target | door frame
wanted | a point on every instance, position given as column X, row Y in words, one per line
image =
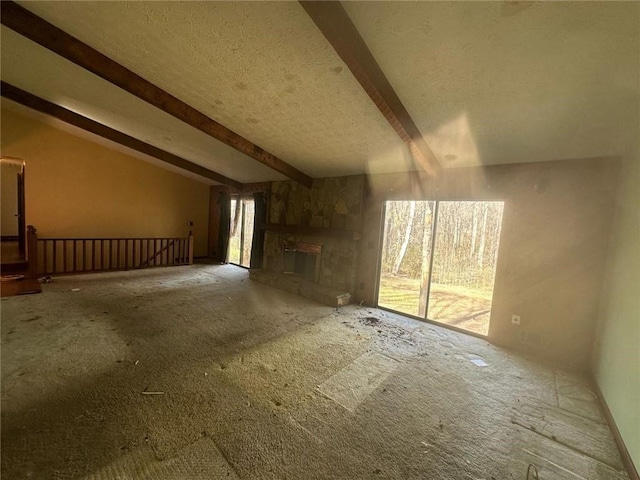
column 22, row 227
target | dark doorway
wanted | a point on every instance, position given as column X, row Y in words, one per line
column 13, row 233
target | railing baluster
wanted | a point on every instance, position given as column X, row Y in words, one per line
column 64, row 256
column 44, row 257
column 133, row 260
column 118, row 254
column 101, row 254
column 55, row 257
column 84, row 255
column 126, row 254
column 75, row 255
column 93, row 255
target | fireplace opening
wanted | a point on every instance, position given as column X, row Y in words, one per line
column 302, row 259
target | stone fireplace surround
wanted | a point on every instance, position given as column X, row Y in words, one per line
column 328, row 218
column 316, row 272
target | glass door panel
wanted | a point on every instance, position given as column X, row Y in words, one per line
column 464, row 264
column 241, row 231
column 406, row 256
column 235, row 231
column 247, row 232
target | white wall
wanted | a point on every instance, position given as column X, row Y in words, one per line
column 616, row 362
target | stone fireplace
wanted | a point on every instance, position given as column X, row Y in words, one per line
column 311, row 238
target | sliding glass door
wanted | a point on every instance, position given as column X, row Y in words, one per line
column 241, row 231
column 406, row 256
column 439, row 260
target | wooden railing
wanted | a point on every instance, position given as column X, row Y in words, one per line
column 83, row 255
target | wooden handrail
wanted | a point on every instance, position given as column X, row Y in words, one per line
column 154, row 255
column 84, row 255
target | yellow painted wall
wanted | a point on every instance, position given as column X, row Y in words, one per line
column 78, row 188
column 617, row 348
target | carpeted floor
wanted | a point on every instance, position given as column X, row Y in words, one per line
column 197, row 372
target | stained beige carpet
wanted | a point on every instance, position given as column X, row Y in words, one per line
column 257, row 383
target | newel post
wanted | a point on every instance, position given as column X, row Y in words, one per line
column 190, row 248
column 32, row 251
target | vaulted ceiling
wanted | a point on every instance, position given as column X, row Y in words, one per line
column 485, row 82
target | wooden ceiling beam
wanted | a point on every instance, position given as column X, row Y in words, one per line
column 334, row 23
column 52, row 38
column 44, row 106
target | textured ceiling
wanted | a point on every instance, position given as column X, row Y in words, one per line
column 49, row 76
column 261, row 69
column 10, row 106
column 486, row 82
column 502, row 82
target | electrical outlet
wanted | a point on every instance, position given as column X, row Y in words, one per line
column 515, row 319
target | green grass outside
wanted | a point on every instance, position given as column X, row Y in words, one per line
column 452, row 305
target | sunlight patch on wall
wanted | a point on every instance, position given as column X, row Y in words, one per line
column 453, row 144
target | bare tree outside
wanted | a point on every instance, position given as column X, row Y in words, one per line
column 234, row 232
column 248, row 220
column 241, row 231
column 464, row 250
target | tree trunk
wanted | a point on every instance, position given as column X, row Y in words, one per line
column 483, row 235
column 426, row 254
column 405, row 242
column 236, row 218
column 474, row 232
column 386, row 241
